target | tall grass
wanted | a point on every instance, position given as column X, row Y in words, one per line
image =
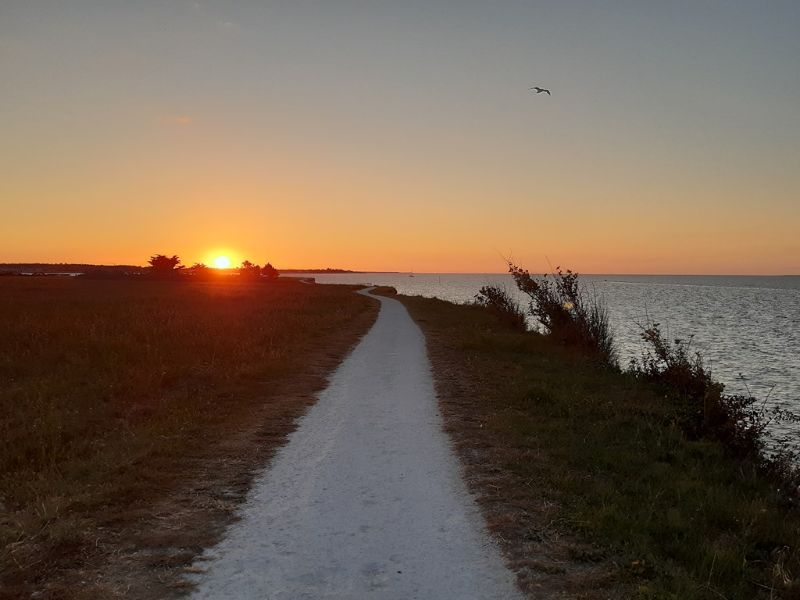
column 105, row 385
column 85, row 363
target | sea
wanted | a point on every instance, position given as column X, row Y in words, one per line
column 747, row 328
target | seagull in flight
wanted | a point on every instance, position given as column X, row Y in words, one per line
column 540, row 90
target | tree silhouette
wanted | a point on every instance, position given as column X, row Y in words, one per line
column 162, row 264
column 269, row 271
column 249, row 270
column 200, row 270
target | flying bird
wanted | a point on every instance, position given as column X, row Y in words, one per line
column 540, row 90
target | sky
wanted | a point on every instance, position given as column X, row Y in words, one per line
column 403, row 136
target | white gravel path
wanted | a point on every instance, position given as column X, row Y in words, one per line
column 366, row 498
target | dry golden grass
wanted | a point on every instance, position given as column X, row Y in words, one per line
column 132, row 415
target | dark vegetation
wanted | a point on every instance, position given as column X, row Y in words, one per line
column 49, row 268
column 703, row 410
column 165, row 267
column 160, row 266
column 109, row 271
column 116, row 395
column 604, row 483
column 498, row 301
column 252, row 271
column 575, row 318
column 568, row 312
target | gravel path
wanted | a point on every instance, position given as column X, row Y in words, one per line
column 366, row 499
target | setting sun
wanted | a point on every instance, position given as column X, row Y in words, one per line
column 222, row 262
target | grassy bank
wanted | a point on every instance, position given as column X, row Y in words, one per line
column 587, row 480
column 132, row 414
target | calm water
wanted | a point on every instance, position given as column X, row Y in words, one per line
column 746, row 327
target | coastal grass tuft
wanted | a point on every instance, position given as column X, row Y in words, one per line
column 114, row 393
column 588, row 479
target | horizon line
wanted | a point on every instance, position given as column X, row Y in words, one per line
column 402, row 272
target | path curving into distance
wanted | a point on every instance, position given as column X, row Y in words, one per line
column 365, row 500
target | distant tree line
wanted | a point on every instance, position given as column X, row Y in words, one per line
column 66, row 269
column 251, row 270
column 163, row 267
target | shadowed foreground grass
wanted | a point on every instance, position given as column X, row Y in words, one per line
column 588, row 483
column 113, row 394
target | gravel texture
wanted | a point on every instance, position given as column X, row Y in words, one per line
column 366, row 498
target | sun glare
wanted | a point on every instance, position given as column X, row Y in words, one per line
column 222, row 262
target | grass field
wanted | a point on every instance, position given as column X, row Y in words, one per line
column 585, row 478
column 127, row 406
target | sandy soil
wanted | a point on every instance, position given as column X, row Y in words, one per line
column 366, row 499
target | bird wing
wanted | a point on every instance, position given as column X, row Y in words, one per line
column 548, row 92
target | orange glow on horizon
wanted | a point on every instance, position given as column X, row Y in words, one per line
column 116, row 146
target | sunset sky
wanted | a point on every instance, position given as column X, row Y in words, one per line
column 401, row 135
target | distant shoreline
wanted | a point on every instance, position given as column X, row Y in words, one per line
column 79, row 268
